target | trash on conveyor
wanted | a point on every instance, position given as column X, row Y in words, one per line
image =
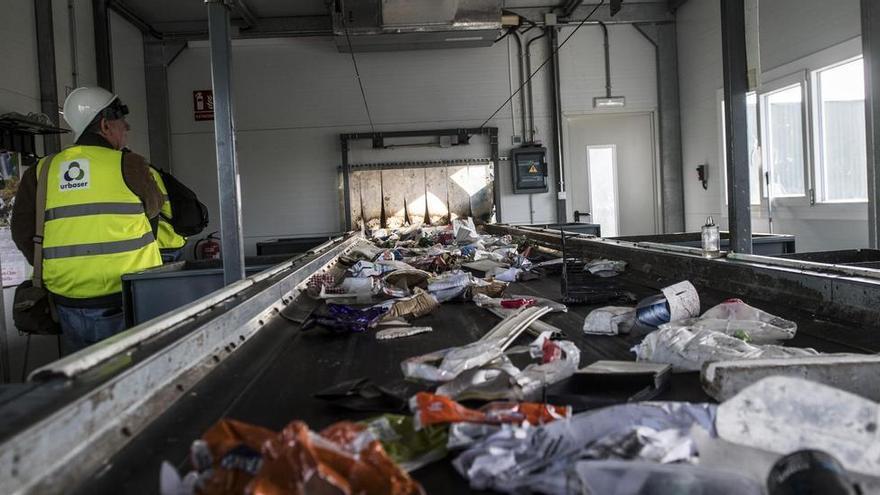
column 738, row 319
column 501, row 380
column 450, row 285
column 784, row 414
column 637, row 477
column 344, row 458
column 409, row 447
column 687, row 350
column 399, row 332
column 605, row 268
column 344, row 318
column 543, row 458
column 446, row 364
column 464, row 230
column 420, row 304
column 362, row 394
column 854, row 373
column 677, row 302
column 430, row 409
column 610, row 320
column 813, row 468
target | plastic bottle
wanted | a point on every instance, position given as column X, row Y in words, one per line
column 711, row 239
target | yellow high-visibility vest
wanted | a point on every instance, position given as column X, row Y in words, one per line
column 165, row 235
column 95, row 229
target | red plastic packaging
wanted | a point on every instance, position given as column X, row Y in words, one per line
column 430, row 409
column 523, row 302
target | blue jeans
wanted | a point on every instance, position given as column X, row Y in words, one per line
column 82, row 327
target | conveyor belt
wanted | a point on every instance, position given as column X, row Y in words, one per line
column 271, row 379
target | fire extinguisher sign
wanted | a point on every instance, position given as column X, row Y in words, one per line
column 203, row 104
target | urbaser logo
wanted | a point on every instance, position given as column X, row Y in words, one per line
column 74, row 175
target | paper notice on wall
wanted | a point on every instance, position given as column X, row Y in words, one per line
column 683, row 299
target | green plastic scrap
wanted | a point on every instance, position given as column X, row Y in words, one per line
column 743, row 335
column 409, row 448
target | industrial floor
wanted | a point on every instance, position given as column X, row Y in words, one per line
column 271, row 379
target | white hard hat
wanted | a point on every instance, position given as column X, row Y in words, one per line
column 82, row 105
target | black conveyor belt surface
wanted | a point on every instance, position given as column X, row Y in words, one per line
column 271, row 379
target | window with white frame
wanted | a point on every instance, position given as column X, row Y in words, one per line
column 784, row 140
column 839, row 130
column 754, row 149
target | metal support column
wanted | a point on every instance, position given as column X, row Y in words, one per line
column 871, row 53
column 48, row 82
column 103, row 51
column 224, row 135
column 736, row 84
column 553, row 45
column 158, row 55
column 662, row 36
column 346, row 184
column 496, row 167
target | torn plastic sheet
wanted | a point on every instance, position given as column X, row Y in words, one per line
column 485, row 301
column 688, row 350
column 541, row 459
column 450, row 285
column 635, row 478
column 400, row 332
column 605, row 268
column 346, row 318
column 610, row 320
column 738, row 319
column 464, row 230
column 785, row 414
column 501, row 380
column 507, row 274
column 430, row 409
column 446, row 364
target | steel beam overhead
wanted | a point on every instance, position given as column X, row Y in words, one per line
column 662, row 36
column 556, row 112
column 224, row 135
column 871, row 52
column 245, row 12
column 736, row 84
column 269, row 27
column 103, row 51
column 158, row 55
column 630, row 12
column 135, row 20
column 48, row 78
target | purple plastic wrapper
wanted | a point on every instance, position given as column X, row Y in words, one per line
column 343, row 318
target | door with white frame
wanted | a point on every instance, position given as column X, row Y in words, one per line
column 611, row 172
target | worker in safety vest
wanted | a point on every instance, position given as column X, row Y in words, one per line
column 170, row 242
column 99, row 201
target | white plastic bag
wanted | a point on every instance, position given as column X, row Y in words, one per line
column 736, row 318
column 687, row 350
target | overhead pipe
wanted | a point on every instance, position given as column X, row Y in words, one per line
column 553, row 46
column 529, row 85
column 607, row 59
column 522, row 96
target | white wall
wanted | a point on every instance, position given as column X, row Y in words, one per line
column 128, row 80
column 294, row 96
column 793, row 36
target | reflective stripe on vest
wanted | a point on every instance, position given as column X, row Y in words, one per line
column 96, row 230
column 166, row 237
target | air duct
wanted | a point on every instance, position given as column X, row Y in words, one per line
column 390, row 25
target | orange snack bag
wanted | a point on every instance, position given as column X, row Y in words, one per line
column 430, row 409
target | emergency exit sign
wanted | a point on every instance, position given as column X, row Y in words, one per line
column 203, row 104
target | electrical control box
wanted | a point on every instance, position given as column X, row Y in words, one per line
column 529, row 169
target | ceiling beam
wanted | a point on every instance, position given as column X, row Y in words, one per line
column 674, row 5
column 136, row 20
column 569, row 8
column 244, row 11
column 266, row 27
column 630, row 12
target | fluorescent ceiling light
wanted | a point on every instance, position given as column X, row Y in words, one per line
column 609, row 102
